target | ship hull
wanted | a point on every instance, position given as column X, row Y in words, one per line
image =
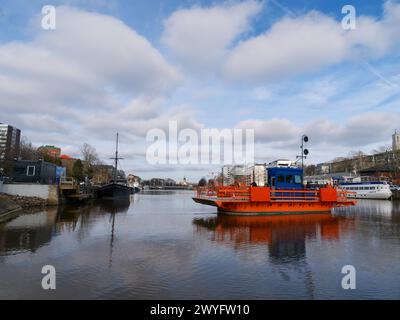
column 376, row 196
column 368, row 190
column 266, row 208
column 113, row 191
column 265, row 201
column 134, row 190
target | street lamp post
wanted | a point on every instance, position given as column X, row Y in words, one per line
column 304, row 152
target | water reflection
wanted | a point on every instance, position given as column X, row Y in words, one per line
column 372, row 210
column 285, row 236
column 32, row 230
column 163, row 245
column 27, row 232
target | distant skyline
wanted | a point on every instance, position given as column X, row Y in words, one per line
column 282, row 68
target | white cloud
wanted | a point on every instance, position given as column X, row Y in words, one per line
column 200, row 36
column 274, row 130
column 307, row 43
column 356, row 132
column 84, row 81
column 290, row 46
column 132, row 126
column 111, row 50
column 90, row 61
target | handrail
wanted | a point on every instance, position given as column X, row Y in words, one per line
column 276, row 195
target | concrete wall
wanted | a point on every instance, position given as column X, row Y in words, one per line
column 43, row 191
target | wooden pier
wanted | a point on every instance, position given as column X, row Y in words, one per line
column 72, row 190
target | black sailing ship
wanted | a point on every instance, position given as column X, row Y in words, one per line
column 115, row 188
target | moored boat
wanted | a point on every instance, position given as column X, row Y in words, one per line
column 367, row 190
column 284, row 194
column 115, row 188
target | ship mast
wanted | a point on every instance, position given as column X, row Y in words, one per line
column 116, row 160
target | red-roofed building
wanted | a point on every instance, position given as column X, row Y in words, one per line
column 65, row 157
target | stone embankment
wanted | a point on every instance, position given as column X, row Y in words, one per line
column 25, row 202
column 8, row 208
column 10, row 205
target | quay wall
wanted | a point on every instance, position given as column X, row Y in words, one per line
column 49, row 193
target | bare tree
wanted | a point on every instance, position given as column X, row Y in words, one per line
column 27, row 151
column 90, row 159
column 359, row 160
column 382, row 149
column 89, row 154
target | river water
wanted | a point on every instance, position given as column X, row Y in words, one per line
column 162, row 245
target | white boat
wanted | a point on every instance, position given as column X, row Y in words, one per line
column 367, row 189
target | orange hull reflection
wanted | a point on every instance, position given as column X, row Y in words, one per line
column 270, row 229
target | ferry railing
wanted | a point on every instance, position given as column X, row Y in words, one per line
column 343, row 195
column 242, row 193
column 307, row 195
column 228, row 192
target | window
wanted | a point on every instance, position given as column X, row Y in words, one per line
column 30, row 171
column 297, row 179
column 289, row 179
column 281, row 179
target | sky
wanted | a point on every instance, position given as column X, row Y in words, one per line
column 283, row 68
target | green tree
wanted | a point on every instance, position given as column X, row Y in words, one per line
column 48, row 158
column 77, row 170
column 202, row 182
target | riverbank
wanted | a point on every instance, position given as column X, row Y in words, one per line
column 25, row 202
column 10, row 205
column 8, row 208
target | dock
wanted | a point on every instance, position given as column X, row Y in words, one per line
column 71, row 190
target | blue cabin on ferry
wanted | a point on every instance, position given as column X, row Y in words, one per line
column 285, row 178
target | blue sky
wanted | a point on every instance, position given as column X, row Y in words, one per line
column 282, row 68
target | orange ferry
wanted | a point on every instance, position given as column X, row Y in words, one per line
column 284, row 194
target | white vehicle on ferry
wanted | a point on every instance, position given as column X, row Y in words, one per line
column 367, row 188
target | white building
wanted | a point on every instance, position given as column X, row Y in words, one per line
column 240, row 174
column 227, row 175
column 259, row 174
column 323, row 168
column 282, row 163
column 396, row 141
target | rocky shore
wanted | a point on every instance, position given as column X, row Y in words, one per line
column 25, row 202
column 8, row 208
